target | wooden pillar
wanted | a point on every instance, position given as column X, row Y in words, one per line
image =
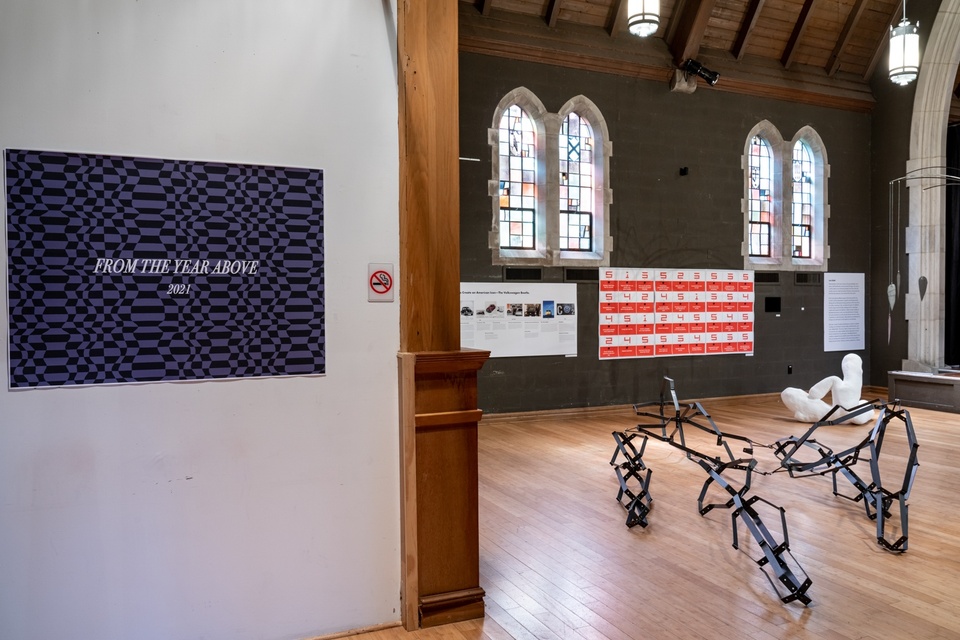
column 438, row 389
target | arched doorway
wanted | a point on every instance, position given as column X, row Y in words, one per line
column 925, row 233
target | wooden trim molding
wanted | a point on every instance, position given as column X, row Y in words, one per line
column 447, row 361
column 454, row 606
column 869, row 392
column 409, row 585
column 447, row 418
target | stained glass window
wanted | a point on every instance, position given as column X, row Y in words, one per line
column 549, row 193
column 803, row 205
column 785, row 203
column 518, row 180
column 760, row 197
column 576, row 184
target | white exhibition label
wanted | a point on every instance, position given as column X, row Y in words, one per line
column 519, row 319
column 843, row 312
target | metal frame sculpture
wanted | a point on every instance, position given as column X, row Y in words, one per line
column 876, row 498
column 788, row 579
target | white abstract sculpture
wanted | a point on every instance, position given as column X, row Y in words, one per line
column 808, row 406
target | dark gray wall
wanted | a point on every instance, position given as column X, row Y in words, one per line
column 662, row 219
column 890, row 138
column 891, row 143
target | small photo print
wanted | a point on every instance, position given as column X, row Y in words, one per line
column 531, row 310
column 566, row 309
column 514, row 309
column 467, row 308
column 548, row 306
column 493, row 309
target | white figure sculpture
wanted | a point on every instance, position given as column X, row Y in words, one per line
column 808, row 406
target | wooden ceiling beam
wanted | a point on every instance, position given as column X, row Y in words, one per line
column 862, row 103
column 528, row 38
column 802, row 21
column 881, row 45
column 746, row 29
column 691, row 25
column 553, row 12
column 484, row 7
column 617, row 21
column 833, row 63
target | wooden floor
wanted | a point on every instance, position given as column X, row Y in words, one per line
column 557, row 560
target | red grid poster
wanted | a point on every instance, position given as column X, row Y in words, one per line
column 647, row 313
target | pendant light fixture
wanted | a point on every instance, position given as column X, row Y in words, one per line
column 904, row 50
column 643, row 17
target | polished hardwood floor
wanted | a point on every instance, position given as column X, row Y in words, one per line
column 558, row 561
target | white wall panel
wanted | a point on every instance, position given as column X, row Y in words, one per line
column 258, row 508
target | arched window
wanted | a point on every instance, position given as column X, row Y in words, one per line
column 518, row 180
column 760, row 197
column 802, row 206
column 576, row 184
column 785, row 201
column 551, row 202
column 810, row 210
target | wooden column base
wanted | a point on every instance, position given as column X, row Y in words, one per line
column 438, row 444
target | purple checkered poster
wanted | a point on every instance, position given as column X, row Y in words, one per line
column 123, row 270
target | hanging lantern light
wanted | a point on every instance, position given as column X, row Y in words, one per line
column 904, row 51
column 643, row 17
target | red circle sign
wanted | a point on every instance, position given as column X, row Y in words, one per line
column 381, row 282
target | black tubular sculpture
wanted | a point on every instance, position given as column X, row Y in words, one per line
column 876, row 498
column 788, row 579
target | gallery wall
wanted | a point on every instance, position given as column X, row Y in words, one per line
column 247, row 508
column 890, row 140
column 664, row 219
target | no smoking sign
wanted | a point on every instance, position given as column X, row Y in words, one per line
column 380, row 282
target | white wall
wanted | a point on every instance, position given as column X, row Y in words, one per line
column 260, row 508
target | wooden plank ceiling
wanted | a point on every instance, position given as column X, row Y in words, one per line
column 813, row 51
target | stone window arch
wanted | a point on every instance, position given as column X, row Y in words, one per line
column 785, row 206
column 570, row 186
column 762, row 203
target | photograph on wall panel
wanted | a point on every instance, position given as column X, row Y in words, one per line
column 129, row 270
column 511, row 319
column 646, row 312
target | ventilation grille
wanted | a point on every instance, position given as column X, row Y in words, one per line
column 522, row 274
column 579, row 274
column 766, row 277
column 807, row 278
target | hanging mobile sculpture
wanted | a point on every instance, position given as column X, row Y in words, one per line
column 893, row 289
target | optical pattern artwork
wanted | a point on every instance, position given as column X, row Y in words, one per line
column 125, row 269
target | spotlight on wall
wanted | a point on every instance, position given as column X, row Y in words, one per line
column 697, row 69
